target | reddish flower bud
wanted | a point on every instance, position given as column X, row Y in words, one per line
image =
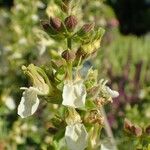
column 137, row 131
column 132, row 129
column 68, row 55
column 55, row 23
column 48, row 28
column 71, row 22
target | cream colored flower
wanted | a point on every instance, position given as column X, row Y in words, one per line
column 74, row 94
column 106, row 91
column 111, row 92
column 29, row 102
column 76, row 137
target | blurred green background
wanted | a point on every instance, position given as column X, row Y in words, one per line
column 124, row 59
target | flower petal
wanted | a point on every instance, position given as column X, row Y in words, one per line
column 111, row 92
column 29, row 102
column 74, row 94
column 76, row 137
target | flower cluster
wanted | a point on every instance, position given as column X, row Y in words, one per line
column 61, row 83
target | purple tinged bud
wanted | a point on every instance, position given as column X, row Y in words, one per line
column 132, row 128
column 71, row 22
column 68, row 55
column 55, row 23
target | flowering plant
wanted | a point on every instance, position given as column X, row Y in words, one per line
column 75, row 90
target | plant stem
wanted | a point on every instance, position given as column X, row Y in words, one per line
column 69, row 44
column 108, row 129
column 69, row 64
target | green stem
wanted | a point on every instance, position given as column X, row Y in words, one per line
column 69, row 64
column 69, row 44
column 70, row 70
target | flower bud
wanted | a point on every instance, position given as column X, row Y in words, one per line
column 48, row 28
column 132, row 129
column 68, row 55
column 71, row 22
column 55, row 23
column 136, row 130
column 85, row 29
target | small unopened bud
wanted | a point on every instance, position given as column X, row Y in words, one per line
column 71, row 22
column 55, row 23
column 48, row 28
column 87, row 27
column 68, row 55
column 132, row 129
column 136, row 130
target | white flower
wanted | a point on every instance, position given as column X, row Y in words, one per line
column 111, row 92
column 29, row 102
column 76, row 137
column 106, row 91
column 74, row 94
